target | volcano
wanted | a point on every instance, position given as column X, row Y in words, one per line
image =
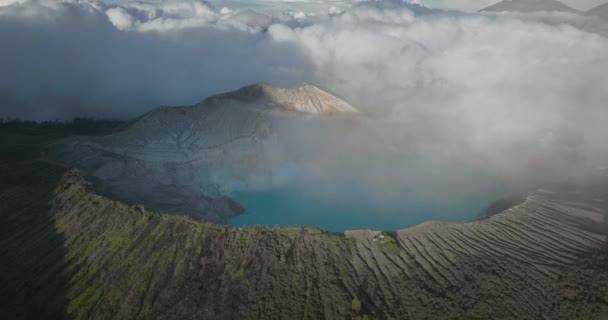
column 179, row 159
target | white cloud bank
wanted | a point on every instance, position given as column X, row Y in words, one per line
column 489, row 84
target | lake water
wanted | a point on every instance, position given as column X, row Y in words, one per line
column 326, row 210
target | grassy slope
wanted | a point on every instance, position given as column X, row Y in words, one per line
column 69, row 253
column 103, row 259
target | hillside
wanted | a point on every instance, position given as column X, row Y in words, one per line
column 530, row 6
column 70, row 253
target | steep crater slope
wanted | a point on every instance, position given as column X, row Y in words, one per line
column 178, row 159
column 545, row 258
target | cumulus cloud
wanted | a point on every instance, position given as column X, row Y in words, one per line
column 121, row 18
column 508, row 89
column 62, row 60
column 162, row 16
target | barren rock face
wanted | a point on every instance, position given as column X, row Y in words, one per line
column 309, row 99
column 304, row 98
column 172, row 159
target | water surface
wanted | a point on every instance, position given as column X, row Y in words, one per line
column 295, row 206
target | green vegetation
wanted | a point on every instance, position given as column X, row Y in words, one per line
column 21, row 140
column 356, row 305
column 335, row 238
column 389, row 244
column 59, row 129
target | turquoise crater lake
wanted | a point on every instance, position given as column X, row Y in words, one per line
column 355, row 210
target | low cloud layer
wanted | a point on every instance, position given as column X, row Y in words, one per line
column 508, row 89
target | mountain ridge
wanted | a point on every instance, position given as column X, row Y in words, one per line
column 599, row 11
column 539, row 259
column 304, row 97
column 530, row 6
column 172, row 158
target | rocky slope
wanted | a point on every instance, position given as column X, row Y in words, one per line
column 70, row 253
column 304, row 98
column 174, row 158
column 530, row 6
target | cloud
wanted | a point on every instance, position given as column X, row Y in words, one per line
column 162, row 16
column 511, row 90
column 121, row 18
column 76, row 59
column 514, row 91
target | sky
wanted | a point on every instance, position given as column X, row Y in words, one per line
column 275, row 5
column 469, row 5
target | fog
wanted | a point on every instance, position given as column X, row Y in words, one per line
column 519, row 96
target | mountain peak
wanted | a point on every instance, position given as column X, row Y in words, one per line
column 303, row 97
column 599, row 11
column 530, row 6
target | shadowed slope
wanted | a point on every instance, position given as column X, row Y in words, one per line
column 33, row 278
